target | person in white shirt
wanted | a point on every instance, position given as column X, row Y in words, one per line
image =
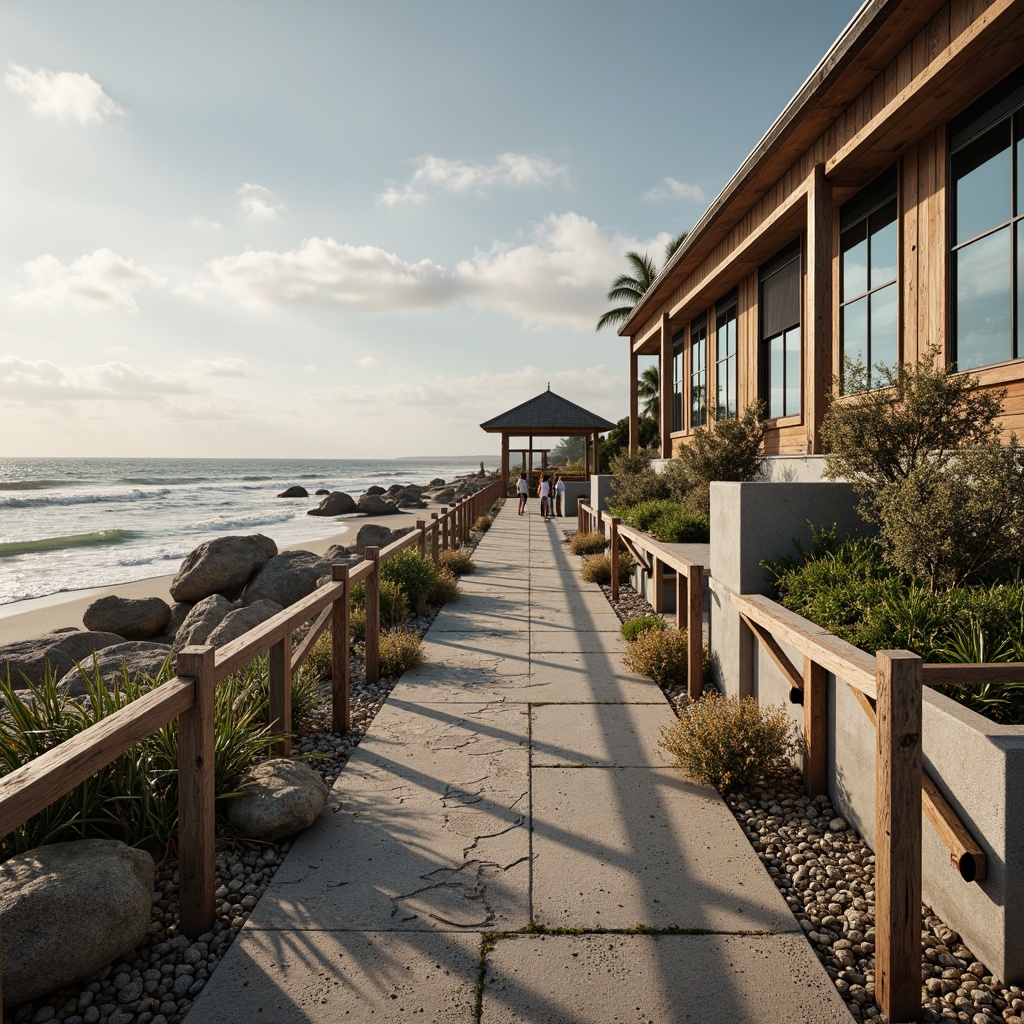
column 545, row 497
column 523, row 491
column 559, row 494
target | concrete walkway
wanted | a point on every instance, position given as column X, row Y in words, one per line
column 507, row 844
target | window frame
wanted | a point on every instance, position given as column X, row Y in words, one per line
column 698, row 324
column 726, row 311
column 679, row 343
column 782, row 258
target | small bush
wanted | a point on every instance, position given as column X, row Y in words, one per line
column 659, row 654
column 445, row 588
column 588, row 544
column 667, row 521
column 412, row 572
column 729, row 743
column 482, row 524
column 634, row 627
column 598, row 569
column 357, row 625
column 634, row 480
column 318, row 661
column 458, row 562
column 399, row 652
column 394, row 605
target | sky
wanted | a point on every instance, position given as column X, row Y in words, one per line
column 329, row 229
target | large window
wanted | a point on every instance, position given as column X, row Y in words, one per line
column 779, row 307
column 698, row 372
column 725, row 357
column 869, row 295
column 987, row 227
column 678, row 383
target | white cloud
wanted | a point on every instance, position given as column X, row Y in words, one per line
column 364, row 277
column 65, row 95
column 204, row 223
column 393, row 196
column 367, row 362
column 258, row 202
column 225, row 367
column 100, row 280
column 40, row 380
column 670, row 188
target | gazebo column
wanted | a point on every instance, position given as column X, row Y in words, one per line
column 634, row 400
column 504, row 463
column 529, row 465
column 586, row 456
column 665, row 388
column 597, row 453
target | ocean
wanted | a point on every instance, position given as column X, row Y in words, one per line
column 66, row 524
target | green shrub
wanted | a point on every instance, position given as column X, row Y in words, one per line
column 634, row 480
column 357, row 625
column 729, row 743
column 458, row 562
column 394, row 605
column 445, row 588
column 588, row 543
column 254, row 681
column 634, row 627
column 318, row 662
column 668, row 521
column 412, row 572
column 399, row 651
column 659, row 654
column 598, row 569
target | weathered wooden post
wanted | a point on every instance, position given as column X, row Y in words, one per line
column 579, row 515
column 694, row 601
column 614, row 552
column 815, row 729
column 281, row 694
column 341, row 720
column 658, row 583
column 196, row 793
column 421, row 529
column 898, row 760
column 435, row 531
column 444, row 527
column 372, row 554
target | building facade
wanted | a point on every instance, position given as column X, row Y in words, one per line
column 881, row 215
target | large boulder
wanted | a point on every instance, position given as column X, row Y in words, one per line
column 241, row 620
column 287, row 578
column 61, row 650
column 438, row 481
column 69, row 910
column 221, row 566
column 133, row 618
column 372, row 536
column 375, row 489
column 205, row 617
column 321, row 490
column 281, row 797
column 337, row 503
column 179, row 613
column 445, row 496
column 294, row 492
column 375, row 505
column 137, row 656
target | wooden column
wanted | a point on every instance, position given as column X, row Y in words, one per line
column 597, row 453
column 280, row 663
column 665, row 387
column 634, row 400
column 341, row 719
column 373, row 616
column 694, row 627
column 586, row 456
column 815, row 729
column 818, row 335
column 613, row 551
column 444, row 527
column 529, row 470
column 504, row 463
column 196, row 791
column 658, row 583
column 898, row 835
column 435, row 545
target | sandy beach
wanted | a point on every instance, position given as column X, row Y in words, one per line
column 22, row 620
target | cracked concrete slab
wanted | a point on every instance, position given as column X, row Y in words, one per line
column 326, row 977
column 624, row 735
column 617, row 847
column 668, row 979
column 566, row 678
column 577, row 642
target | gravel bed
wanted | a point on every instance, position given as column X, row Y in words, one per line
column 165, row 974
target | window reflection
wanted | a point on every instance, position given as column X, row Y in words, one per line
column 698, row 373
column 983, row 298
column 725, row 358
column 780, row 310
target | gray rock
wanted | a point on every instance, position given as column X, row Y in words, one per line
column 179, row 612
column 372, row 535
column 287, row 578
column 438, row 481
column 375, row 490
column 69, row 910
column 241, row 620
column 61, row 650
column 139, row 657
column 294, row 492
column 132, row 618
column 445, row 496
column 321, row 490
column 375, row 505
column 221, row 566
column 205, row 617
column 282, row 797
column 337, row 503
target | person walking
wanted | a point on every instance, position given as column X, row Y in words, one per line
column 524, row 492
column 545, row 497
column 559, row 494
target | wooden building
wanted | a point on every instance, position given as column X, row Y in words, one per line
column 883, row 212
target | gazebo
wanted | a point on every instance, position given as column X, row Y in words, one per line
column 548, row 415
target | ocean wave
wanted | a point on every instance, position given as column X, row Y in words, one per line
column 171, row 556
column 77, row 540
column 255, row 478
column 82, row 499
column 243, row 522
column 164, row 480
column 35, row 485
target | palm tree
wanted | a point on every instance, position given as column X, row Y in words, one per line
column 649, row 392
column 630, row 288
column 670, row 248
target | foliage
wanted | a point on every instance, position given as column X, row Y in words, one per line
column 732, row 450
column 568, row 450
column 254, row 681
column 481, row 525
column 412, row 572
column 629, row 288
column 667, row 521
column 458, row 562
column 394, row 605
column 588, row 543
column 727, row 742
column 618, row 437
column 445, row 588
column 634, row 627
column 659, row 654
column 648, row 390
column 400, row 650
column 598, row 569
column 357, row 625
column 634, row 480
column 318, row 662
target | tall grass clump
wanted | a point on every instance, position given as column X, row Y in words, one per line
column 400, row 651
column 458, row 562
column 588, row 543
column 412, row 572
column 659, row 654
column 482, row 524
column 445, row 588
column 728, row 742
column 598, row 569
column 394, row 605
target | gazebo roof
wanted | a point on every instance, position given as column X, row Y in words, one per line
column 548, row 413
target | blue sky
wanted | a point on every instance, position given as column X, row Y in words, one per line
column 330, row 229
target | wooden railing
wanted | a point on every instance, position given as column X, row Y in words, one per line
column 189, row 697
column 655, row 557
column 889, row 687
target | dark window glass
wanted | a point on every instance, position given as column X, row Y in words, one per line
column 678, row 384
column 698, row 373
column 853, row 250
column 983, row 301
column 983, row 180
column 884, row 331
column 780, row 295
column 725, row 359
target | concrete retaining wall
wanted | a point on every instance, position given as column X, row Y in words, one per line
column 978, row 765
